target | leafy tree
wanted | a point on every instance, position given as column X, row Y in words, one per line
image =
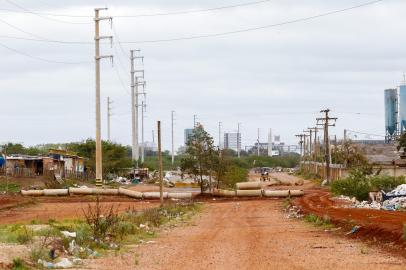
column 352, row 157
column 199, row 155
column 115, row 156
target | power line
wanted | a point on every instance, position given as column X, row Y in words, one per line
column 304, row 19
column 42, row 59
column 41, row 15
column 142, row 15
column 259, row 27
column 364, row 133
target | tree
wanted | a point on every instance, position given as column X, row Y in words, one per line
column 199, row 155
column 352, row 157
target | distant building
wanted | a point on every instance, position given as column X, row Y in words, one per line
column 232, row 141
column 188, row 134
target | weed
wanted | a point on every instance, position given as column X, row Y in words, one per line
column 319, row 222
column 18, row 264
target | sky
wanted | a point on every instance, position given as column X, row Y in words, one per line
column 277, row 77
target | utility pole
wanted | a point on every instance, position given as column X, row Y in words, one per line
column 310, row 131
column 325, row 122
column 300, row 136
column 173, row 142
column 109, row 114
column 258, row 147
column 134, row 104
column 161, row 184
column 143, row 109
column 238, row 141
column 98, row 57
column 194, row 120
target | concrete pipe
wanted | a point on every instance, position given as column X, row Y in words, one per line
column 179, row 195
column 283, row 193
column 56, row 192
column 223, row 193
column 81, row 191
column 276, row 193
column 130, row 193
column 249, row 185
column 107, row 191
column 154, row 195
column 296, row 193
column 32, row 192
column 249, row 193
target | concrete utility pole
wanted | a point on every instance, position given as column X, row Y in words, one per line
column 143, row 109
column 258, row 146
column 300, row 136
column 173, row 141
column 98, row 57
column 194, row 120
column 314, row 131
column 325, row 122
column 109, row 114
column 238, row 141
column 134, row 105
column 161, row 183
column 310, row 131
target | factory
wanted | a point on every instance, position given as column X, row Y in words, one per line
column 395, row 112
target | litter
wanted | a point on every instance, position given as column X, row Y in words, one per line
column 64, row 263
column 354, row 230
column 69, row 234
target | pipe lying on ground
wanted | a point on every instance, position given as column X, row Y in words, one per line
column 81, row 191
column 283, row 193
column 130, row 193
column 56, row 192
column 32, row 192
column 107, row 191
column 154, row 195
column 180, row 195
column 249, row 185
column 249, row 193
column 223, row 193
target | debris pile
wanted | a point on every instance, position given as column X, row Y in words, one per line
column 391, row 201
column 294, row 212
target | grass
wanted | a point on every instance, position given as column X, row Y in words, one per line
column 12, row 188
column 324, row 222
column 19, row 264
column 16, row 234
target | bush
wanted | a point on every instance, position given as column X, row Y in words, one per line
column 358, row 185
column 24, row 235
column 234, row 175
column 355, row 185
column 18, row 264
column 386, row 183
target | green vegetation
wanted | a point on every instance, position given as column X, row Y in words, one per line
column 12, row 188
column 324, row 222
column 18, row 234
column 18, row 264
column 358, row 185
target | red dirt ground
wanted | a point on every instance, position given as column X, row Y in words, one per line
column 377, row 225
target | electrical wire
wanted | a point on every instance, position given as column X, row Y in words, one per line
column 304, row 19
column 42, row 59
column 364, row 133
column 41, row 15
column 146, row 15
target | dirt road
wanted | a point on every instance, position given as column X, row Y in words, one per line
column 249, row 235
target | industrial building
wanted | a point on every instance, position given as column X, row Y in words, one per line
column 188, row 134
column 395, row 112
column 232, row 140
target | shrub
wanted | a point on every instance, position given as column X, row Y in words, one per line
column 24, row 235
column 358, row 185
column 152, row 216
column 83, row 233
column 386, row 183
column 355, row 185
column 18, row 264
column 38, row 252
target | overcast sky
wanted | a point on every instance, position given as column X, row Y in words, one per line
column 275, row 78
